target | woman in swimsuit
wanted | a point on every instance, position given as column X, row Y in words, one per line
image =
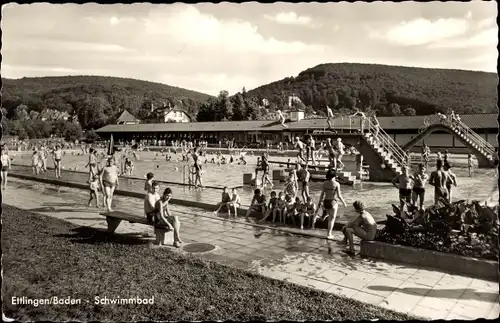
column 92, row 164
column 5, row 159
column 330, row 193
column 57, row 161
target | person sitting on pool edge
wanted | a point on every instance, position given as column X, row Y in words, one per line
column 224, row 200
column 165, row 221
column 234, row 204
column 363, row 227
column 258, row 203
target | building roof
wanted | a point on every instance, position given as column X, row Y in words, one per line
column 127, row 117
column 474, row 121
column 223, row 126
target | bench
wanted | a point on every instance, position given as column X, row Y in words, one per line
column 114, row 219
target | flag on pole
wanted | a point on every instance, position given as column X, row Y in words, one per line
column 111, row 146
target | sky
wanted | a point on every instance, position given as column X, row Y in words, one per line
column 213, row 47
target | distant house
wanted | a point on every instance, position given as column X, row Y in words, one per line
column 127, row 118
column 53, row 115
column 175, row 114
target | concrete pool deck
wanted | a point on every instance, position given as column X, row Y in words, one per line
column 307, row 261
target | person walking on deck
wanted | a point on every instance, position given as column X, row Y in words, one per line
column 109, row 181
column 330, row 193
column 5, row 159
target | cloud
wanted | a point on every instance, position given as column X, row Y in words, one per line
column 69, row 46
column 422, row 31
column 289, row 18
column 187, row 25
column 488, row 37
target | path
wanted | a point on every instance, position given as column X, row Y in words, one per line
column 307, row 261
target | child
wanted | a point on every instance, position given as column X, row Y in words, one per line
column 320, row 215
column 225, row 199
column 149, row 181
column 308, row 211
column 469, row 164
column 289, row 202
column 234, row 203
column 94, row 190
column 272, row 207
column 281, row 207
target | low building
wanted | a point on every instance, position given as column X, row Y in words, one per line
column 401, row 129
column 127, row 118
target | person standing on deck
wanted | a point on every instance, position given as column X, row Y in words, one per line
column 57, row 161
column 329, row 118
column 404, row 183
column 341, row 152
column 420, row 178
column 109, row 181
column 438, row 179
column 452, row 179
column 299, row 145
column 281, row 118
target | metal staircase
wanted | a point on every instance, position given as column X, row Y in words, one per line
column 464, row 132
column 385, row 146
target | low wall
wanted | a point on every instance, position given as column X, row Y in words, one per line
column 485, row 269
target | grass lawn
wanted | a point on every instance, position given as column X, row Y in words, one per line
column 45, row 257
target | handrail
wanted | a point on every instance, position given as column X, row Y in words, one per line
column 388, row 144
column 478, row 139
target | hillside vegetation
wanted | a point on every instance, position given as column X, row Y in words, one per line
column 94, row 100
column 390, row 90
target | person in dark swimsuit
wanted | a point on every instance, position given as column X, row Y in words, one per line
column 330, row 192
column 265, row 169
column 404, row 183
column 258, row 203
column 420, row 178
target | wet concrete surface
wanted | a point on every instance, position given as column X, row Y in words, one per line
column 303, row 260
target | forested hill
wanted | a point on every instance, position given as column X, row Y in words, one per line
column 390, row 90
column 95, row 100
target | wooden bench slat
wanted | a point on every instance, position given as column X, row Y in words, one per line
column 126, row 216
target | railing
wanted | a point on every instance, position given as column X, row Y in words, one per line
column 477, row 139
column 459, row 126
column 387, row 143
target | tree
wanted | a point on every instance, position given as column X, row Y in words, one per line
column 239, row 110
column 409, row 112
column 394, row 109
column 22, row 112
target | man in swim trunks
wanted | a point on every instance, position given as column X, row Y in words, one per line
column 330, row 192
column 363, row 227
column 420, row 178
column 109, row 181
column 341, row 152
column 438, row 179
column 57, row 161
column 164, row 220
column 332, row 153
column 329, row 118
column 452, row 179
column 404, row 183
column 299, row 145
column 150, row 200
column 5, row 159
